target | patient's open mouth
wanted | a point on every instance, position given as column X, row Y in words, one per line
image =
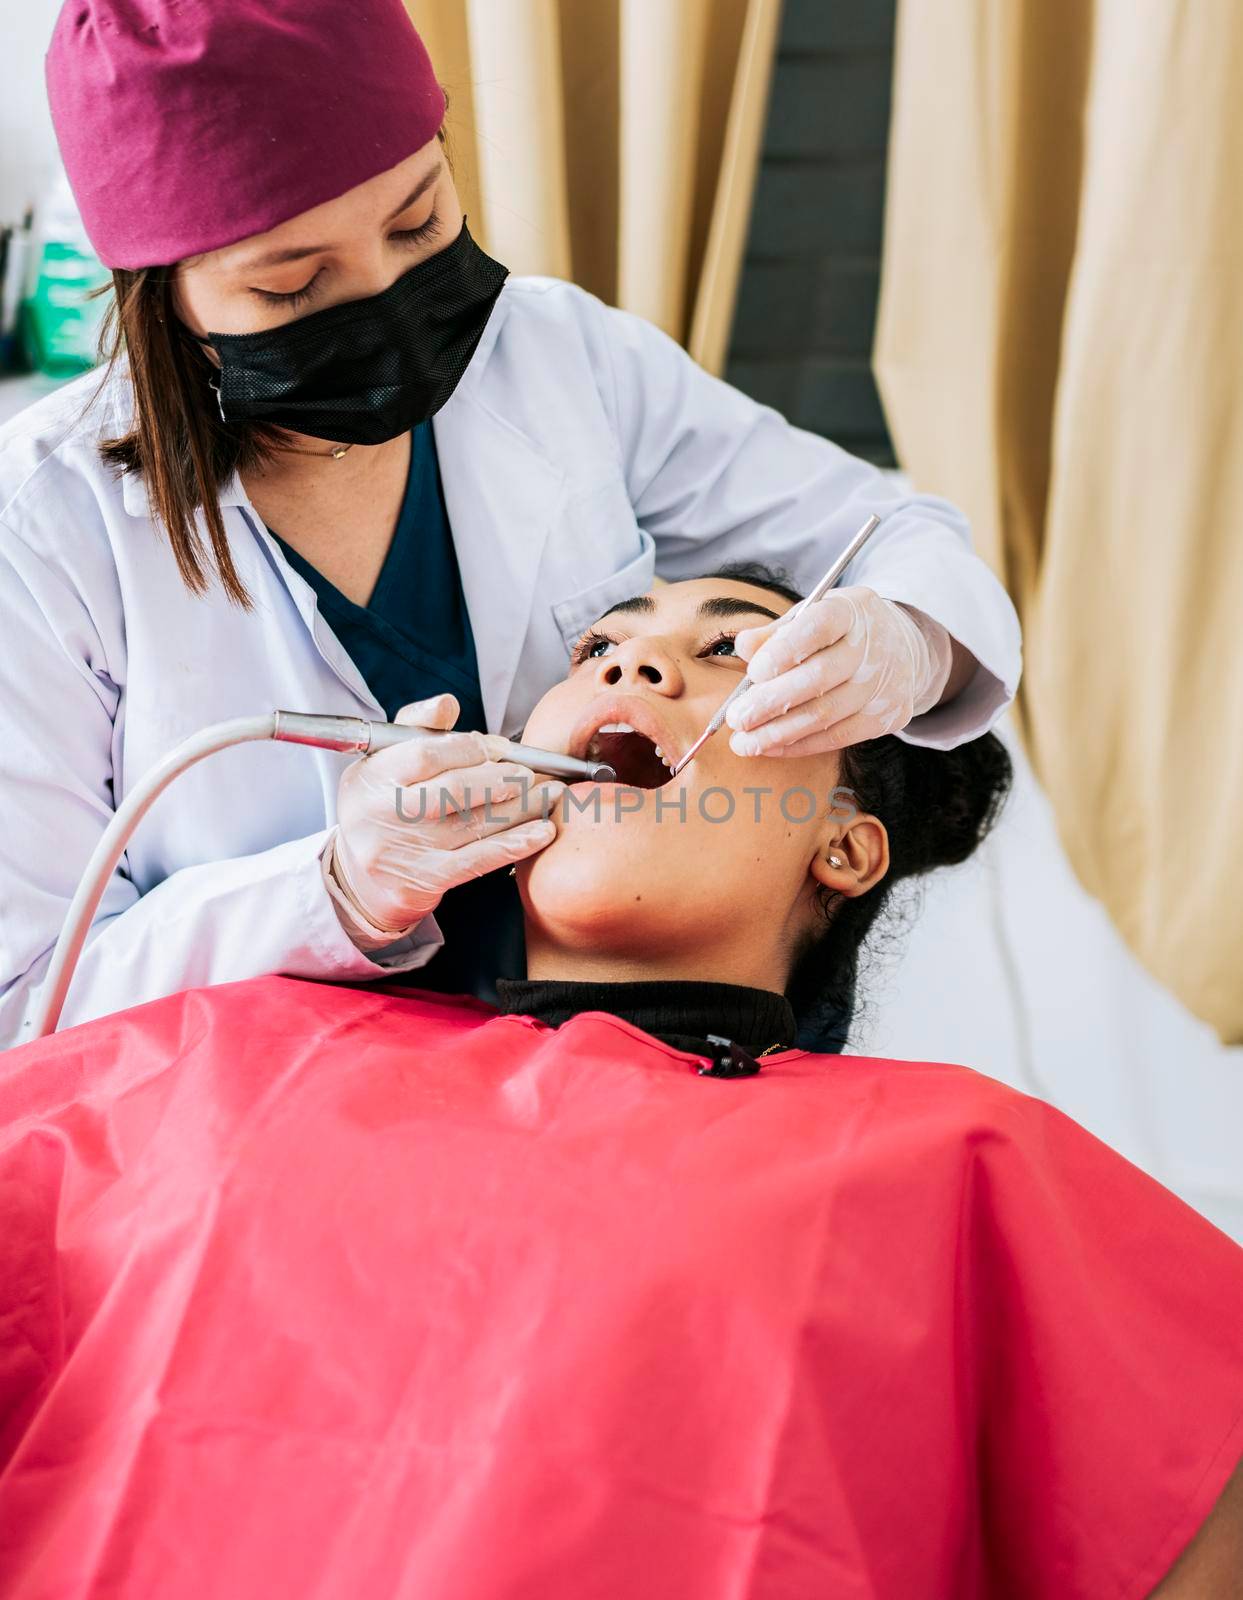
column 635, row 758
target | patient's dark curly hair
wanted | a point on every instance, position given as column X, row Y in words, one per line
column 937, row 806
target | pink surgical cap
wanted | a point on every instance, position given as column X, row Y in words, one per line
column 185, row 125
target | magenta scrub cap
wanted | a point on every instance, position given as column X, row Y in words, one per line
column 185, row 125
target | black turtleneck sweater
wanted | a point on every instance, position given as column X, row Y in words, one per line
column 680, row 1012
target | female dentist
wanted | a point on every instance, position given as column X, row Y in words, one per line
column 254, row 510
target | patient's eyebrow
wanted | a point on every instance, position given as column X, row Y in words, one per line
column 638, row 602
column 726, row 605
column 720, row 605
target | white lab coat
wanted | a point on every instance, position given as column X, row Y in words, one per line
column 582, row 453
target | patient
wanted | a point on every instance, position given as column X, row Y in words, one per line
column 354, row 1291
column 764, row 872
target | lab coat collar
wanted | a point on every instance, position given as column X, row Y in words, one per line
column 134, row 494
column 503, row 496
column 260, row 547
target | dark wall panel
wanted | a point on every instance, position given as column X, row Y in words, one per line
column 828, row 107
column 821, row 209
column 839, row 25
column 802, row 334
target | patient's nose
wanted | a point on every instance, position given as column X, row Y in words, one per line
column 641, row 663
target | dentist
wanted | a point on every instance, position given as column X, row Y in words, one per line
column 340, row 461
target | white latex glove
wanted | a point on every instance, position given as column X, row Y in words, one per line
column 852, row 666
column 461, row 814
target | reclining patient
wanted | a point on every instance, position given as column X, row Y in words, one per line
column 353, row 1292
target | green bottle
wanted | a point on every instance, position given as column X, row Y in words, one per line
column 60, row 324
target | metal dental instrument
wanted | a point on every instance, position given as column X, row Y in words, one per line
column 355, row 733
column 825, row 584
column 293, row 727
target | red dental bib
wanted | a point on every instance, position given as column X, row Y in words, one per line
column 363, row 1295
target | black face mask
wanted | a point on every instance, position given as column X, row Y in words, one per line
column 366, row 370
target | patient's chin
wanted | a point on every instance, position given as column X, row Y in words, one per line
column 641, row 891
column 592, row 916
column 599, row 894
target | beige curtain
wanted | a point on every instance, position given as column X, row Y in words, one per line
column 613, row 142
column 1060, row 350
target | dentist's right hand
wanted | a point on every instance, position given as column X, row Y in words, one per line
column 423, row 816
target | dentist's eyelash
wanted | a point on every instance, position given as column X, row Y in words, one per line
column 296, row 297
column 585, row 647
column 425, row 230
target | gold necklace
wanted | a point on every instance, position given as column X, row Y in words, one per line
column 771, row 1048
column 335, row 454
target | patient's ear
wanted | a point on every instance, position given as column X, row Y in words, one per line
column 851, row 858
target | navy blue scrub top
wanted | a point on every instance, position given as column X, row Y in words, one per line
column 413, row 639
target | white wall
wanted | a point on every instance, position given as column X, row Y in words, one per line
column 27, row 144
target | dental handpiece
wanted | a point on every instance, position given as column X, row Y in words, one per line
column 744, row 683
column 293, row 727
column 356, row 733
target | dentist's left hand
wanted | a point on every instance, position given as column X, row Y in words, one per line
column 851, row 666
